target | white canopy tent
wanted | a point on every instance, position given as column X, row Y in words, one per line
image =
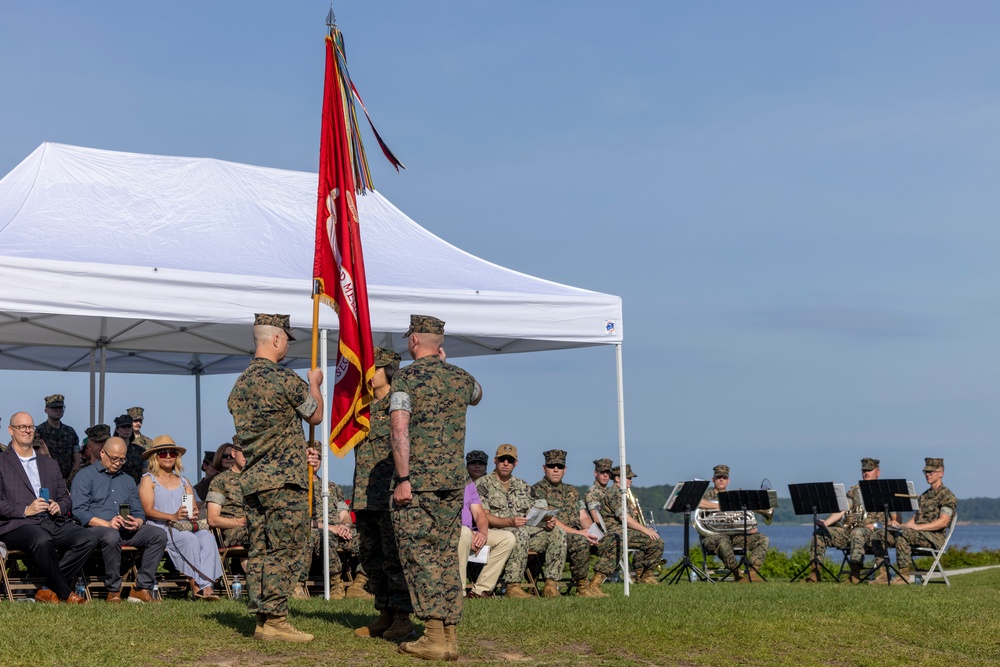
column 135, row 263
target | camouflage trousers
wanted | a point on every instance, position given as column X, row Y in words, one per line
column 834, row 536
column 235, row 537
column 649, row 552
column 278, row 527
column 534, row 538
column 723, row 545
column 379, row 556
column 427, row 532
column 862, row 539
column 608, row 550
column 315, row 551
column 578, row 555
column 906, row 539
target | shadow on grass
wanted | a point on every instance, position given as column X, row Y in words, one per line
column 239, row 621
column 344, row 619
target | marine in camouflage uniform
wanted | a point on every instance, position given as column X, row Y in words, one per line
column 135, row 464
column 138, row 438
column 378, row 552
column 514, row 501
column 722, row 544
column 226, row 491
column 337, row 506
column 610, row 545
column 936, row 504
column 649, row 550
column 62, row 440
column 566, row 499
column 427, row 405
column 268, row 403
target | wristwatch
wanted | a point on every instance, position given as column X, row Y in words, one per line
column 404, row 478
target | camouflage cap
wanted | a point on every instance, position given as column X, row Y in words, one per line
column 209, row 457
column 869, row 464
column 55, row 401
column 135, row 413
column 424, row 324
column 506, row 450
column 476, row 456
column 384, row 357
column 280, row 321
column 617, row 471
column 237, row 443
column 720, row 471
column 930, row 465
column 555, row 456
column 603, row 465
column 123, row 420
column 99, row 432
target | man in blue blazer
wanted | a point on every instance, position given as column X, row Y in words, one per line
column 38, row 525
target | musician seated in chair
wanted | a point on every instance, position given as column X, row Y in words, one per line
column 722, row 544
column 927, row 528
column 854, row 528
column 646, row 541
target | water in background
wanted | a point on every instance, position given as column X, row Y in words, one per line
column 789, row 538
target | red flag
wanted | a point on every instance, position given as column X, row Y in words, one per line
column 338, row 263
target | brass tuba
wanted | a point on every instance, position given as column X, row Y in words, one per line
column 714, row 522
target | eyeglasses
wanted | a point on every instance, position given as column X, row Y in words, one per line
column 167, row 454
column 113, row 459
column 507, row 459
column 23, row 428
column 58, row 407
column 136, row 421
column 555, row 466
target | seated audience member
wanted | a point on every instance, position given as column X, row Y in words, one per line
column 90, row 452
column 928, row 527
column 573, row 518
column 135, row 465
column 343, row 537
column 209, row 471
column 224, row 503
column 29, row 522
column 106, row 501
column 476, row 534
column 193, row 552
column 506, row 500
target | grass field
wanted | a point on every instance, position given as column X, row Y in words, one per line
column 688, row 624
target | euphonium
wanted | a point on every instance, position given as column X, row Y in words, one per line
column 713, row 522
column 633, row 506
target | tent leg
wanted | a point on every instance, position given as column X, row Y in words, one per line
column 197, row 414
column 103, row 344
column 621, row 456
column 93, row 387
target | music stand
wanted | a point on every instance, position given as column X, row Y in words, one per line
column 683, row 500
column 886, row 496
column 745, row 501
column 813, row 498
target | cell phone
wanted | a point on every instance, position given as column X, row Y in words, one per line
column 187, row 500
column 125, row 510
column 43, row 493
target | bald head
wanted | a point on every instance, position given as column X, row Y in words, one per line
column 271, row 342
column 115, row 446
column 18, row 417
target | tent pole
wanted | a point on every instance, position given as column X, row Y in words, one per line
column 93, row 380
column 621, row 456
column 324, row 432
column 103, row 343
column 197, row 411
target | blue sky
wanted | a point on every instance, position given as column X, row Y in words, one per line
column 796, row 202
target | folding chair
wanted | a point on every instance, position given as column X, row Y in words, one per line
column 227, row 555
column 936, row 554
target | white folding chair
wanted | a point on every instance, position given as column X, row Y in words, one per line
column 936, row 554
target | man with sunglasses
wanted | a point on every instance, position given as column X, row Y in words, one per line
column 61, row 439
column 646, row 541
column 573, row 518
column 34, row 506
column 507, row 500
column 106, row 501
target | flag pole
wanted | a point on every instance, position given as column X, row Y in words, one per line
column 317, row 290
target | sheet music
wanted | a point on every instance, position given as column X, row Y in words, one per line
column 841, row 496
column 914, row 506
column 480, row 557
column 673, row 496
column 536, row 515
column 595, row 531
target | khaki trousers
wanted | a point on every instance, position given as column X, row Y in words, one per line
column 501, row 544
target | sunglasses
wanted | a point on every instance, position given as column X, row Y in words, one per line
column 507, row 459
column 555, row 466
column 226, row 456
column 167, row 454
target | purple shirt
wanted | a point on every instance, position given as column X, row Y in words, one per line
column 471, row 498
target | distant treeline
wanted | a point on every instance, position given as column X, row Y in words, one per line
column 652, row 498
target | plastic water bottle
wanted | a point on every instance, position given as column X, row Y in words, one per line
column 156, row 589
column 692, row 576
column 237, row 588
column 80, row 587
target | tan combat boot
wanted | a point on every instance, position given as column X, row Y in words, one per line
column 258, row 631
column 432, row 646
column 904, row 577
column 882, row 577
column 855, row 576
column 551, row 590
column 401, row 628
column 278, row 628
column 451, row 639
column 583, row 589
column 337, row 588
column 595, row 586
column 300, row 592
column 814, row 576
column 515, row 591
column 649, row 577
column 378, row 627
column 356, row 591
